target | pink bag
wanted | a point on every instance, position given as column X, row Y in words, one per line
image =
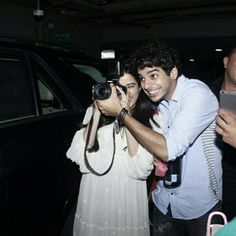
column 213, row 228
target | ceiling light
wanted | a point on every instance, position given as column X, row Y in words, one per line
column 108, row 54
column 218, row 50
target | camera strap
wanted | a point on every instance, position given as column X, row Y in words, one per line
column 85, row 152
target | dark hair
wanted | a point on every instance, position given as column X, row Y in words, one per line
column 159, row 54
column 144, row 108
column 230, row 51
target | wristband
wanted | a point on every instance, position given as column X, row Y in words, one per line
column 122, row 115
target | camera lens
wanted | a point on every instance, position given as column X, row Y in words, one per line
column 101, row 91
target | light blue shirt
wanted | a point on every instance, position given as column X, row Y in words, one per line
column 191, row 110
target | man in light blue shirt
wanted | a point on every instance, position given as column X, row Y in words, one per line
column 188, row 109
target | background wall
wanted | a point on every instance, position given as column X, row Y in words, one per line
column 16, row 20
column 195, row 35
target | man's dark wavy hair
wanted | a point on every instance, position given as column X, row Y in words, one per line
column 157, row 54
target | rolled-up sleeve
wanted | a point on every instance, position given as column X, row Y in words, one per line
column 195, row 113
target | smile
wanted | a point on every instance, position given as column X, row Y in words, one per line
column 153, row 92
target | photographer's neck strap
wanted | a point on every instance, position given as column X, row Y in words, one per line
column 85, row 152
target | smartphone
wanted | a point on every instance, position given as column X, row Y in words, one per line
column 228, row 100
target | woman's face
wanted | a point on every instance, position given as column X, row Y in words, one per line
column 133, row 89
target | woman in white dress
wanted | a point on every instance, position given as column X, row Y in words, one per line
column 115, row 203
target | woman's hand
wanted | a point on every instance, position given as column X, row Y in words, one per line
column 110, row 106
column 124, row 98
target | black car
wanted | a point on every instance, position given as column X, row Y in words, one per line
column 44, row 92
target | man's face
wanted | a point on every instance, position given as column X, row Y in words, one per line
column 230, row 71
column 157, row 84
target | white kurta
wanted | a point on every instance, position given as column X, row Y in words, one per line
column 116, row 203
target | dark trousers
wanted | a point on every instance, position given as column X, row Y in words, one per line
column 166, row 225
column 229, row 190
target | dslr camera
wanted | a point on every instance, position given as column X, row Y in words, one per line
column 102, row 91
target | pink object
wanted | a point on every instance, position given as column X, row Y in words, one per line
column 213, row 228
column 160, row 167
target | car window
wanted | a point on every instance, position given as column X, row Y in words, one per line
column 48, row 101
column 51, row 100
column 91, row 71
column 79, row 77
column 16, row 96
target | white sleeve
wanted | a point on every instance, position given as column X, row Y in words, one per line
column 88, row 115
column 140, row 165
column 99, row 160
column 76, row 151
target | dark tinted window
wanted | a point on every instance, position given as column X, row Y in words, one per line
column 16, row 98
column 79, row 78
column 51, row 98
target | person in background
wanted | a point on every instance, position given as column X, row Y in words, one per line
column 226, row 127
column 114, row 203
column 227, row 82
column 188, row 109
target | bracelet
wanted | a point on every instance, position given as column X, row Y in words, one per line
column 122, row 115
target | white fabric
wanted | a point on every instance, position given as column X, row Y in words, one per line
column 117, row 203
column 88, row 115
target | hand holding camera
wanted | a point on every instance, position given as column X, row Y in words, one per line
column 110, row 100
column 102, row 91
column 124, row 97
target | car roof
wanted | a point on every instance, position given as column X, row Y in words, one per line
column 44, row 48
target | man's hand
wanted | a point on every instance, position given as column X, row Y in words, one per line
column 110, row 106
column 226, row 126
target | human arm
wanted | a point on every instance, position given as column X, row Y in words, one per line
column 153, row 141
column 190, row 112
column 94, row 121
column 131, row 143
column 100, row 159
column 140, row 165
column 226, row 126
column 97, row 159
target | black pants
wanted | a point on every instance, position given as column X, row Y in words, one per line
column 229, row 190
column 166, row 225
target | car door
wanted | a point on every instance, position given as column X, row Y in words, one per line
column 38, row 118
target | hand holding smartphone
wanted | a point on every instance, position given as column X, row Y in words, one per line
column 228, row 100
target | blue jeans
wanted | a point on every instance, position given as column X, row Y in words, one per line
column 166, row 225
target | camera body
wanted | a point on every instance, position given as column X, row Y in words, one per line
column 102, row 91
